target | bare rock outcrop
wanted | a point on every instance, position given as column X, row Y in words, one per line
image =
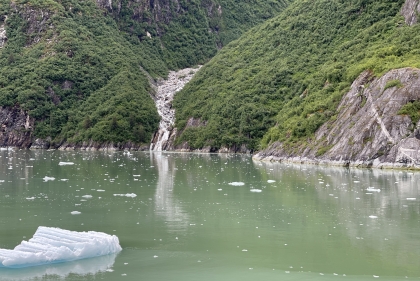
column 367, row 131
column 3, row 36
column 410, row 11
column 16, row 128
column 164, row 138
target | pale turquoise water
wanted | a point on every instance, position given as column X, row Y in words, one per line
column 188, row 223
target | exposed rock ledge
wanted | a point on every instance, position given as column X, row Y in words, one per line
column 367, row 132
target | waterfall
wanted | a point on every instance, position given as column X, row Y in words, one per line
column 163, row 138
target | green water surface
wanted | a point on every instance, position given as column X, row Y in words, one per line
column 189, row 222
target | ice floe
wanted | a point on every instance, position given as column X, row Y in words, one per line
column 54, row 245
column 372, row 189
column 132, row 195
column 48, row 178
column 236, row 183
column 256, row 190
column 271, row 181
column 75, row 212
column 65, row 163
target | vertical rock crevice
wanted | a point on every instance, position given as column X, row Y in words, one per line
column 164, row 138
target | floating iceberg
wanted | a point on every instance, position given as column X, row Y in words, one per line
column 132, row 195
column 54, row 245
column 65, row 163
column 48, row 178
column 59, row 271
column 236, row 183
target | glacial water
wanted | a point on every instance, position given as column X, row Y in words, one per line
column 213, row 217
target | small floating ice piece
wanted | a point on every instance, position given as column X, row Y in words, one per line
column 30, row 198
column 75, row 212
column 87, row 196
column 54, row 245
column 136, row 175
column 373, row 217
column 271, row 181
column 411, row 199
column 132, row 195
column 236, row 183
column 48, row 178
column 64, row 179
column 100, row 190
column 65, row 163
column 256, row 190
column 372, row 189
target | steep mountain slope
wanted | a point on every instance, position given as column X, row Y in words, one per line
column 282, row 80
column 81, row 71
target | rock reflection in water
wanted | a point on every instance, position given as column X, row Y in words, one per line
column 379, row 222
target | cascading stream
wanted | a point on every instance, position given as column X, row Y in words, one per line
column 164, row 95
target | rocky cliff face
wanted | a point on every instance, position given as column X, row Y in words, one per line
column 15, row 128
column 410, row 11
column 164, row 138
column 367, row 131
column 3, row 37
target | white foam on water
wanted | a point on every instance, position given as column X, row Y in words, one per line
column 65, row 163
column 256, row 190
column 236, row 183
column 75, row 212
column 48, row 178
column 54, row 245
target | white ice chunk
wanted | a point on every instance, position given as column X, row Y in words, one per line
column 271, row 181
column 54, row 245
column 65, row 163
column 87, row 196
column 48, row 178
column 256, row 190
column 132, row 195
column 75, row 212
column 411, row 199
column 236, row 183
column 373, row 217
column 372, row 189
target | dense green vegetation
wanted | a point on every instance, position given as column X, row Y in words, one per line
column 282, row 80
column 411, row 109
column 78, row 69
column 185, row 33
column 56, row 73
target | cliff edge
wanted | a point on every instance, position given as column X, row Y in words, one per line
column 371, row 128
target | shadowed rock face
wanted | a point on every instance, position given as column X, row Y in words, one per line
column 368, row 130
column 15, row 128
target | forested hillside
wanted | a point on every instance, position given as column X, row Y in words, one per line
column 283, row 79
column 82, row 70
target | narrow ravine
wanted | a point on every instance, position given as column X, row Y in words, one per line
column 165, row 93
